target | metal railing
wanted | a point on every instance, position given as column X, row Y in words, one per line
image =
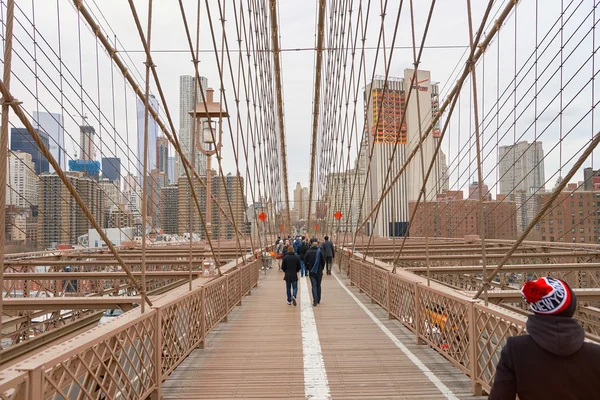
column 130, row 357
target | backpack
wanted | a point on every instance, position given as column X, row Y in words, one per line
column 315, row 267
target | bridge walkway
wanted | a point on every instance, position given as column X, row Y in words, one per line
column 346, row 348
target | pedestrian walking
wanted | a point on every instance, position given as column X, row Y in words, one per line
column 290, row 266
column 552, row 361
column 329, row 253
column 315, row 262
column 301, row 253
column 279, row 252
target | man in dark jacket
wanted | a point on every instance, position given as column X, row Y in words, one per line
column 315, row 262
column 552, row 361
column 301, row 253
column 329, row 253
column 290, row 266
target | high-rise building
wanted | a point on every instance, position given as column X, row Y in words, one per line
column 21, row 140
column 384, row 111
column 157, row 180
column 162, row 155
column 187, row 88
column 87, row 137
column 298, row 201
column 52, row 125
column 521, row 168
column 61, row 220
column 169, row 209
column 445, row 186
column 152, row 135
column 23, row 181
column 522, row 177
column 172, row 171
column 111, row 168
column 220, row 225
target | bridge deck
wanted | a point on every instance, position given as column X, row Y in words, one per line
column 271, row 350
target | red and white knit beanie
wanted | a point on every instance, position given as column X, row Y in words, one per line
column 549, row 296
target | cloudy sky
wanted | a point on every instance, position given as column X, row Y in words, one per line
column 61, row 32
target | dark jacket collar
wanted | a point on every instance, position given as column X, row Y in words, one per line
column 562, row 336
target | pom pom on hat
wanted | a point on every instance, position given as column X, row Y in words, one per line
column 549, row 296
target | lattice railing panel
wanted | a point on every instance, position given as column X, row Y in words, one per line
column 181, row 324
column 355, row 272
column 402, row 301
column 379, row 286
column 444, row 325
column 245, row 275
column 121, row 366
column 493, row 329
column 365, row 278
column 216, row 302
column 233, row 287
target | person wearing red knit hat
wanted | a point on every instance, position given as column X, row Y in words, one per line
column 552, row 361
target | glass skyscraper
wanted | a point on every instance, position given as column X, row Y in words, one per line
column 21, row 140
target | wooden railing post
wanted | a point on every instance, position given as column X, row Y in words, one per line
column 418, row 315
column 473, row 350
column 389, row 295
column 371, row 284
column 35, row 383
column 203, row 318
column 241, row 286
column 158, row 353
column 226, row 298
column 360, row 267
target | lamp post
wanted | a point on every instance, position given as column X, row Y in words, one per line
column 209, row 131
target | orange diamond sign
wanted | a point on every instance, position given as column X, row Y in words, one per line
column 262, row 216
column 338, row 215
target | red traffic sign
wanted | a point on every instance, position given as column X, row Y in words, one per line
column 338, row 215
column 316, row 227
column 262, row 216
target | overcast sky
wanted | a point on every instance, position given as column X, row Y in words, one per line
column 445, row 56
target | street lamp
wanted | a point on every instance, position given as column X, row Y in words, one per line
column 208, row 141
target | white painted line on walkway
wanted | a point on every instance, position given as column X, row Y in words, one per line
column 316, row 386
column 432, row 377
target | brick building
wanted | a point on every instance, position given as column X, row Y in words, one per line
column 454, row 217
column 573, row 218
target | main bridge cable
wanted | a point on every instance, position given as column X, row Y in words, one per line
column 145, row 162
column 316, row 102
column 278, row 90
column 168, row 133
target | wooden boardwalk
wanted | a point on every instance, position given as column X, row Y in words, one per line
column 355, row 352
